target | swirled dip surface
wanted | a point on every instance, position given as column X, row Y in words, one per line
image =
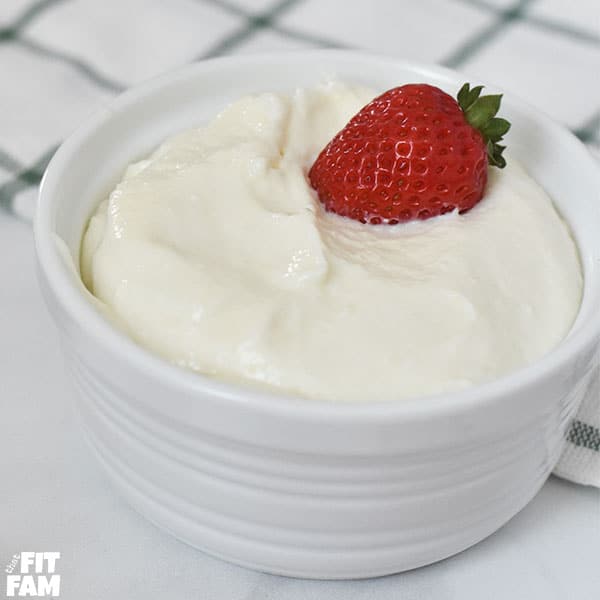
column 215, row 254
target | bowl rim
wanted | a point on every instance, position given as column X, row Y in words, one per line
column 51, row 266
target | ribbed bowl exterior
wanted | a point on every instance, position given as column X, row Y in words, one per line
column 307, row 511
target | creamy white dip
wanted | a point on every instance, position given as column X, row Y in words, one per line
column 215, row 254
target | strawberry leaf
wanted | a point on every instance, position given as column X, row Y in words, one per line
column 462, row 95
column 495, row 128
column 495, row 157
column 467, row 97
column 480, row 112
column 473, row 95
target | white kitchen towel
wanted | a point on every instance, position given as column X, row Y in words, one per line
column 580, row 461
column 61, row 59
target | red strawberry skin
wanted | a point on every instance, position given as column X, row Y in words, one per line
column 409, row 154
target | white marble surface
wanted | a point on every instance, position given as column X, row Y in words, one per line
column 54, row 498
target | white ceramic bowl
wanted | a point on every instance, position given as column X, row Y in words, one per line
column 280, row 484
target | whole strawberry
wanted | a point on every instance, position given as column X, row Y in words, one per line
column 412, row 153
